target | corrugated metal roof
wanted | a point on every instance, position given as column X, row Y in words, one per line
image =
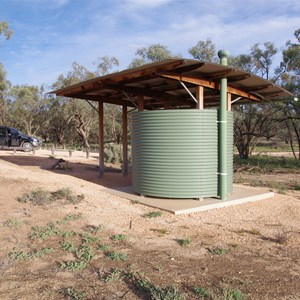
column 159, row 83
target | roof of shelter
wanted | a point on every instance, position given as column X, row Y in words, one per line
column 173, row 81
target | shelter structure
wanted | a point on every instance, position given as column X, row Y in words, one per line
column 182, row 123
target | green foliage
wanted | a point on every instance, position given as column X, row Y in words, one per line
column 37, row 197
column 68, row 246
column 114, row 275
column 118, row 237
column 12, row 223
column 20, row 255
column 224, row 293
column 87, row 238
column 40, row 232
column 153, row 214
column 73, row 294
column 66, row 234
column 85, row 253
column 71, row 217
column 72, row 265
column 268, row 163
column 93, row 229
column 201, row 292
column 184, row 242
column 103, row 247
column 68, row 195
column 117, row 256
column 217, row 251
column 43, row 197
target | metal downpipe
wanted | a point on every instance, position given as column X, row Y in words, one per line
column 223, row 54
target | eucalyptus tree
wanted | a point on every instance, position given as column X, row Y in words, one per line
column 290, row 79
column 5, row 31
column 153, row 53
column 27, row 108
column 205, row 51
column 4, row 101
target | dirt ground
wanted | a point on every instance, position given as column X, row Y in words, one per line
column 251, row 248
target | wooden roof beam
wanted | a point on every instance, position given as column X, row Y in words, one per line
column 102, row 99
column 209, row 84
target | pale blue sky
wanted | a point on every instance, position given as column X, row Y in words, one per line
column 49, row 35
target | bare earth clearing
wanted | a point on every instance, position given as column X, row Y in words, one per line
column 253, row 247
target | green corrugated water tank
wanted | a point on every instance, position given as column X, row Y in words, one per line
column 175, row 153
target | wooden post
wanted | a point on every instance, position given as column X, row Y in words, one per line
column 101, row 138
column 140, row 103
column 228, row 101
column 124, row 141
column 200, row 96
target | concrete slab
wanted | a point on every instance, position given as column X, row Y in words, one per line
column 185, row 206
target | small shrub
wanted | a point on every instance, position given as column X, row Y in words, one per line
column 73, row 293
column 37, row 197
column 153, row 214
column 118, row 237
column 184, row 242
column 117, row 256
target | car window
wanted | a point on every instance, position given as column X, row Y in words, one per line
column 2, row 132
column 14, row 132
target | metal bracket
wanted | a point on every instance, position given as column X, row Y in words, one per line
column 185, row 87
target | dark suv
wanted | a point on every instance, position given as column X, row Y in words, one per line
column 11, row 137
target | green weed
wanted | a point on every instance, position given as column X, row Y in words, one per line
column 87, row 238
column 68, row 246
column 20, row 255
column 103, row 247
column 201, row 292
column 115, row 275
column 73, row 293
column 93, row 229
column 117, row 256
column 39, row 232
column 72, row 265
column 184, row 242
column 153, row 214
column 71, row 217
column 12, row 223
column 118, row 237
column 217, row 251
column 66, row 234
column 68, row 195
column 85, row 253
column 160, row 231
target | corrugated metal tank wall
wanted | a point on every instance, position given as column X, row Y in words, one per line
column 229, row 151
column 174, row 153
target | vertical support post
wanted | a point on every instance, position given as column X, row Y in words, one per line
column 200, row 97
column 101, row 138
column 223, row 129
column 140, row 103
column 228, row 101
column 124, row 140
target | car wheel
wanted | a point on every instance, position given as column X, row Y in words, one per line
column 27, row 147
